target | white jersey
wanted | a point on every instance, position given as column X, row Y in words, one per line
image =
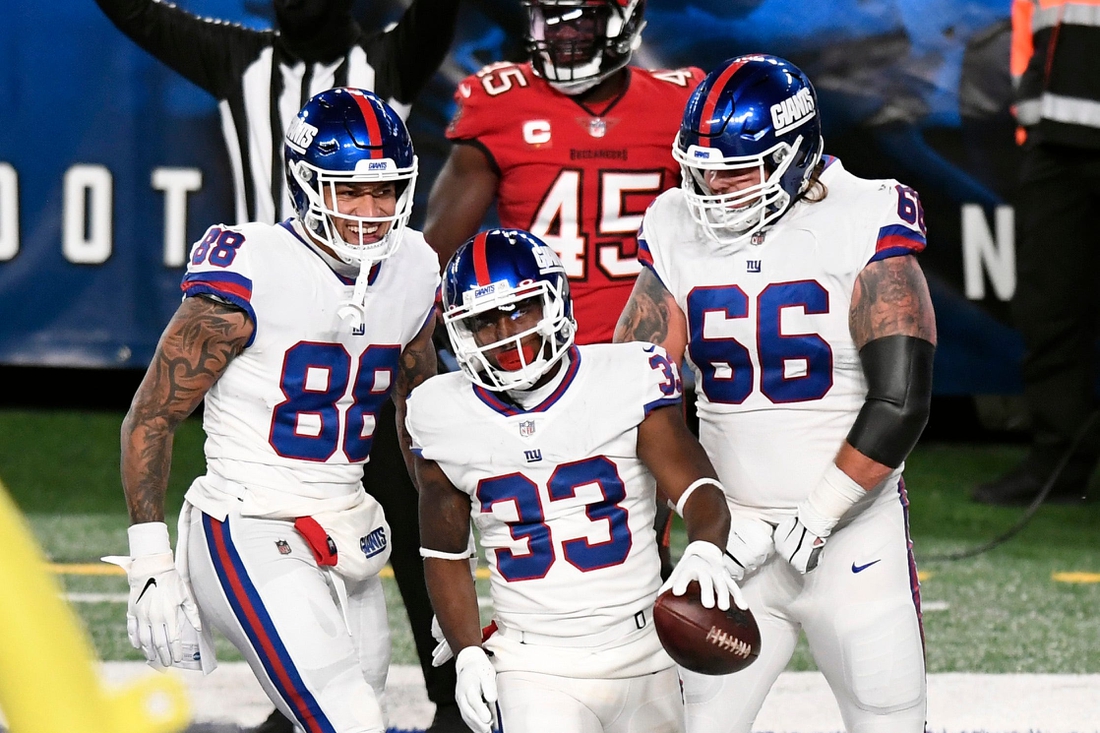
column 290, row 422
column 563, row 505
column 778, row 376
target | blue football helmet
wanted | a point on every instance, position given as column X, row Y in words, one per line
column 498, row 269
column 349, row 135
column 576, row 44
column 751, row 113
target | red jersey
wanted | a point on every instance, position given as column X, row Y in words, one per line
column 578, row 181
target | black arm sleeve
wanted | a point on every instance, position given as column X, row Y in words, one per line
column 209, row 53
column 899, row 395
column 406, row 56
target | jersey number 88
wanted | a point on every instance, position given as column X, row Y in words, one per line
column 307, row 424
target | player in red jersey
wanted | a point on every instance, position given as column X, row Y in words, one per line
column 573, row 145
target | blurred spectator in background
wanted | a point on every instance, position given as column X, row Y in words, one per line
column 1055, row 58
column 261, row 79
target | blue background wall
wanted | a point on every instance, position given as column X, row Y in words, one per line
column 914, row 91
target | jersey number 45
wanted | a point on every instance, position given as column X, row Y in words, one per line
column 558, row 221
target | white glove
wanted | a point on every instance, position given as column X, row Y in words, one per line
column 750, row 545
column 476, row 688
column 801, row 538
column 442, row 652
column 797, row 545
column 160, row 602
column 706, row 563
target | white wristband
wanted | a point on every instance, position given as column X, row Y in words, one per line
column 830, row 500
column 682, row 501
column 148, row 538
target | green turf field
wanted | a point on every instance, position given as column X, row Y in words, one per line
column 1003, row 611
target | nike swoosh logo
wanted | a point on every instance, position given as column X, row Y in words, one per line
column 153, row 582
column 861, row 568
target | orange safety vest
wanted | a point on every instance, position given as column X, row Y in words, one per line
column 1055, row 65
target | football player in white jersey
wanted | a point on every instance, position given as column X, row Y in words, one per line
column 552, row 450
column 293, row 334
column 791, row 288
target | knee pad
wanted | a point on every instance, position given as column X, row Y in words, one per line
column 882, row 656
column 350, row 704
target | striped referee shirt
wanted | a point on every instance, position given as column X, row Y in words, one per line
column 260, row 85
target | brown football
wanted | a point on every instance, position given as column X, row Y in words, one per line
column 705, row 640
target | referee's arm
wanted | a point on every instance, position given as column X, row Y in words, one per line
column 408, row 54
column 207, row 52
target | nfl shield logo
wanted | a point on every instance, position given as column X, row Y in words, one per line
column 757, row 238
column 527, row 428
column 597, row 127
column 284, row 548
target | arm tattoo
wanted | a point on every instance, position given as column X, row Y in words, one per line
column 417, row 365
column 891, row 298
column 195, row 349
column 646, row 315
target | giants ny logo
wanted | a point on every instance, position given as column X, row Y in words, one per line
column 300, row 134
column 547, row 259
column 752, row 266
column 373, row 543
column 533, row 456
column 792, row 111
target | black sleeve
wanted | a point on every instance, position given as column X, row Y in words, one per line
column 211, row 54
column 899, row 397
column 406, row 56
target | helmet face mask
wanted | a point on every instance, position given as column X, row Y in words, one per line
column 349, row 139
column 754, row 113
column 575, row 44
column 728, row 218
column 493, row 274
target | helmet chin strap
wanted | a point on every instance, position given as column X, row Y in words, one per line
column 573, row 88
column 354, row 311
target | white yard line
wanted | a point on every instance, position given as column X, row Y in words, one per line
column 800, row 702
column 97, row 597
column 482, row 602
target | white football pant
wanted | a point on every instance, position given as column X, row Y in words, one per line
column 256, row 581
column 542, row 703
column 860, row 612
